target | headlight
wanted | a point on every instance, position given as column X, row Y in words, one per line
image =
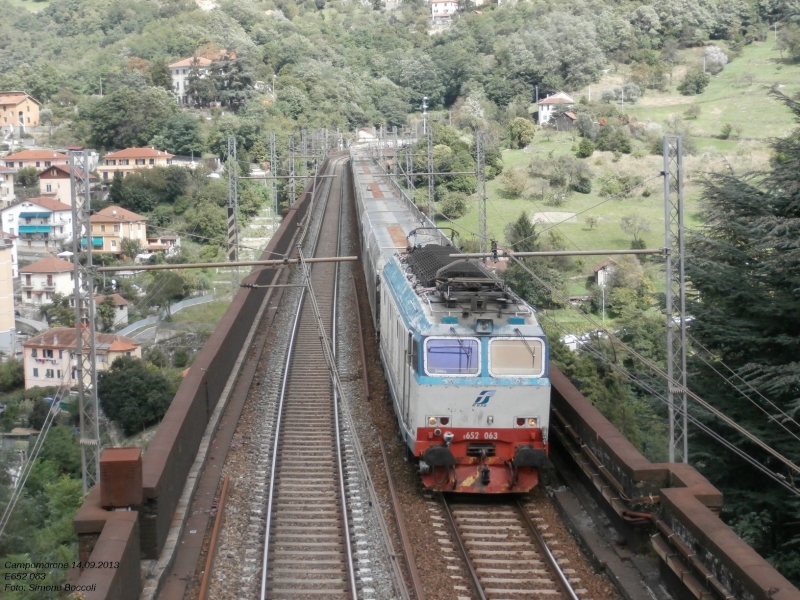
column 526, row 421
column 533, row 422
column 433, row 421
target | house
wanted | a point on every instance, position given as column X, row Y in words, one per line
column 39, row 223
column 443, row 9
column 112, row 225
column 42, row 279
column 549, row 104
column 49, row 358
column 38, row 159
column 120, row 308
column 7, row 326
column 7, row 185
column 54, row 183
column 10, row 241
column 565, row 121
column 180, row 71
column 128, row 160
column 603, row 272
column 168, row 244
column 18, row 108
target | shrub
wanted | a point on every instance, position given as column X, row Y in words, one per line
column 726, row 131
column 694, row 83
column 454, row 205
column 716, row 59
column 614, row 139
column 513, row 183
column 692, row 112
column 585, row 148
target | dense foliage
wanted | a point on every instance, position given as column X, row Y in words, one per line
column 744, row 268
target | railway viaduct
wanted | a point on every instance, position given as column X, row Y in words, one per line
column 669, row 510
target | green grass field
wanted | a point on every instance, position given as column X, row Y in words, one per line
column 726, row 100
column 209, row 313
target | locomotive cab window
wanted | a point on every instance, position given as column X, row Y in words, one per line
column 452, row 356
column 515, row 357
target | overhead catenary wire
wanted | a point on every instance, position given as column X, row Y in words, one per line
column 659, row 371
column 694, row 420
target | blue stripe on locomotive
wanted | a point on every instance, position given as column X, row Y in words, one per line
column 414, row 318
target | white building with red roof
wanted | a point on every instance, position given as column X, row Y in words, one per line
column 180, row 72
column 443, row 9
column 129, row 160
column 120, row 309
column 547, row 106
column 7, row 185
column 38, row 159
column 44, row 278
column 39, row 223
column 49, row 358
column 54, row 183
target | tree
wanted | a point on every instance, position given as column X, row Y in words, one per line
column 167, row 287
column 160, row 75
column 128, row 117
column 513, row 183
column 789, row 40
column 585, row 148
column 107, row 311
column 591, row 222
column 132, row 395
column 693, row 111
column 12, row 375
column 635, row 226
column 716, row 59
column 59, row 312
column 454, row 205
column 743, row 265
column 131, row 247
column 181, row 134
column 27, row 177
column 693, row 83
column 520, row 132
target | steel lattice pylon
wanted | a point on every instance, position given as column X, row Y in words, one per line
column 85, row 370
column 431, row 189
column 233, row 202
column 480, row 174
column 273, row 168
column 675, row 298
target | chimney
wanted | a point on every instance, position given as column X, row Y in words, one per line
column 55, row 339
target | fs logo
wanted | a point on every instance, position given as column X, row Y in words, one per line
column 483, row 398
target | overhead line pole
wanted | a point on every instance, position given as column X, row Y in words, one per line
column 675, row 297
column 480, row 174
column 85, row 352
column 431, row 189
column 273, row 167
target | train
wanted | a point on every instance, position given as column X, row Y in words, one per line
column 465, row 358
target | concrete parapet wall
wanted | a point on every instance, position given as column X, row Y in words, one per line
column 701, row 556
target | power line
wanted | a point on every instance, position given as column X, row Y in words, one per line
column 654, row 367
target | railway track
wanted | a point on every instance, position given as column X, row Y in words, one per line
column 506, row 556
column 307, row 548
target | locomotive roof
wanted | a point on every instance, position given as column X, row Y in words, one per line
column 432, row 262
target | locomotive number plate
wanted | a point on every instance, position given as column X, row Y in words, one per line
column 480, row 435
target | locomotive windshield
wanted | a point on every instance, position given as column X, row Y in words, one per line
column 448, row 356
column 516, row 356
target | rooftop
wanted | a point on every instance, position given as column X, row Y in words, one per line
column 139, row 153
column 44, row 202
column 49, row 264
column 37, row 155
column 198, row 61
column 15, row 97
column 116, row 214
column 60, row 172
column 118, row 300
column 64, row 338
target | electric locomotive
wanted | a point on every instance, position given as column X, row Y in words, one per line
column 465, row 358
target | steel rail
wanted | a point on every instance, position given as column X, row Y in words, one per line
column 462, row 549
column 351, row 571
column 551, row 560
column 278, row 419
column 245, row 263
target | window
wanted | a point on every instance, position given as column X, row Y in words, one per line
column 49, row 373
column 47, row 353
column 152, row 161
column 36, row 372
column 60, row 373
column 60, row 354
column 113, row 243
column 105, row 174
column 33, row 353
column 49, row 188
column 516, row 356
column 102, row 228
column 452, row 356
column 116, row 228
column 38, row 164
column 47, row 163
column 28, row 295
column 124, row 161
column 139, row 161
